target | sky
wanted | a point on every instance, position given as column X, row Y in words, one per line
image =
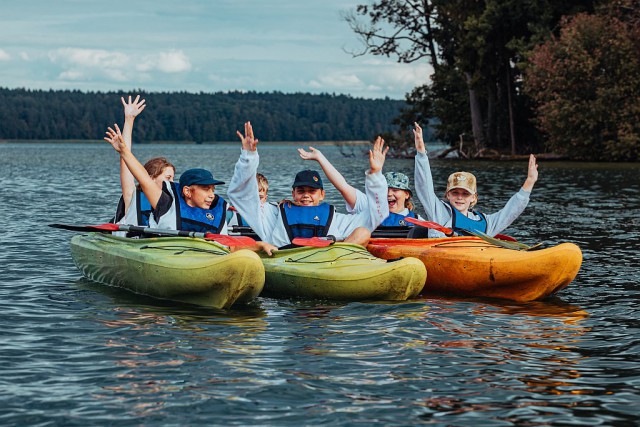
column 194, row 46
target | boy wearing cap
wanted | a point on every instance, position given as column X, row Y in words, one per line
column 305, row 215
column 191, row 205
column 456, row 211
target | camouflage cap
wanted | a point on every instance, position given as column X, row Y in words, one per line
column 397, row 180
column 463, row 180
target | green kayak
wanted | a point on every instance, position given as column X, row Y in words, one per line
column 184, row 269
column 341, row 271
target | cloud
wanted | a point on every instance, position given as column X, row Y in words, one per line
column 25, row 56
column 4, row 56
column 88, row 64
column 337, row 80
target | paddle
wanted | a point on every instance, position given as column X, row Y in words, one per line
column 430, row 224
column 223, row 239
column 449, row 232
column 316, row 242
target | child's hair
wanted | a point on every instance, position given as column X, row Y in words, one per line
column 262, row 181
column 157, row 165
column 408, row 203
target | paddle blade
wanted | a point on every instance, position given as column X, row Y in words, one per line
column 505, row 237
column 502, row 243
column 316, row 242
column 237, row 241
column 429, row 224
column 101, row 227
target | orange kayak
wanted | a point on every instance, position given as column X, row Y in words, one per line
column 469, row 266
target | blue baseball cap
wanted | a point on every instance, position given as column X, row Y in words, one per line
column 198, row 177
column 308, row 178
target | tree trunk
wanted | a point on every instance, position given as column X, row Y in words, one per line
column 512, row 127
column 476, row 115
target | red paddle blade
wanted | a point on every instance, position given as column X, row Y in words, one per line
column 316, row 242
column 505, row 237
column 105, row 227
column 223, row 239
column 429, row 224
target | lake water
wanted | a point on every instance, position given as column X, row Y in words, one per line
column 76, row 353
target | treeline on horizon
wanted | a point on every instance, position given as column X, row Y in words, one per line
column 200, row 117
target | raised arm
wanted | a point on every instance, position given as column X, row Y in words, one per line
column 336, row 178
column 376, row 185
column 149, row 188
column 532, row 174
column 131, row 111
column 418, row 139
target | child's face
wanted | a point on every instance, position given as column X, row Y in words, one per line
column 396, row 199
column 166, row 175
column 262, row 191
column 460, row 199
column 307, row 196
column 199, row 196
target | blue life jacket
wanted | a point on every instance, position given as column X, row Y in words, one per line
column 397, row 220
column 306, row 221
column 144, row 208
column 460, row 222
column 190, row 218
column 241, row 221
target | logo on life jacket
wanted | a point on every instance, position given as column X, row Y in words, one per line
column 316, row 218
column 209, row 216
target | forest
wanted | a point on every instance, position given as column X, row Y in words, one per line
column 202, row 117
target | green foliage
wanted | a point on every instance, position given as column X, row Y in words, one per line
column 60, row 115
column 586, row 83
column 476, row 86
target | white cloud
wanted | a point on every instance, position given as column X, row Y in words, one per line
column 25, row 56
column 337, row 80
column 87, row 64
column 173, row 61
column 4, row 56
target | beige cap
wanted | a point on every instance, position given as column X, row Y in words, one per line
column 463, row 180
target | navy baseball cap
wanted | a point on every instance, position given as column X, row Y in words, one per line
column 308, row 178
column 198, row 177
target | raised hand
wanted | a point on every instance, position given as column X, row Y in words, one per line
column 249, row 142
column 533, row 168
column 312, row 154
column 532, row 174
column 417, row 135
column 132, row 109
column 377, row 155
column 114, row 137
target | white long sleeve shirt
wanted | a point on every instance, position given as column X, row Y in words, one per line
column 269, row 224
column 438, row 211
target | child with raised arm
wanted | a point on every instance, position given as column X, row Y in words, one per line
column 263, row 190
column 456, row 210
column 133, row 206
column 191, row 205
column 398, row 195
column 306, row 215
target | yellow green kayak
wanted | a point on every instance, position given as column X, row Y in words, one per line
column 341, row 271
column 184, row 269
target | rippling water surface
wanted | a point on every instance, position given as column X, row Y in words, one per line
column 76, row 353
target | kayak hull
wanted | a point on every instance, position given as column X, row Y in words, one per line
column 343, row 272
column 182, row 269
column 471, row 267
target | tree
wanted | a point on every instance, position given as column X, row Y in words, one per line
column 586, row 83
column 475, row 48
